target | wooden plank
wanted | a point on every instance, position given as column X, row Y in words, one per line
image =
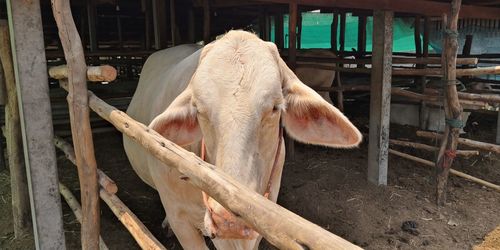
column 159, row 23
column 18, row 178
column 452, row 107
column 380, row 99
column 28, row 50
column 422, row 7
column 80, row 123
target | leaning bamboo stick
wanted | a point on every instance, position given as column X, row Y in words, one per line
column 105, row 182
column 466, row 142
column 463, row 153
column 103, row 73
column 141, row 234
column 452, row 171
column 278, row 225
column 80, row 124
column 77, row 209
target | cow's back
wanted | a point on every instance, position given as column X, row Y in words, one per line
column 164, row 76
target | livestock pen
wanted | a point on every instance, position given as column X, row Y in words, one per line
column 30, row 70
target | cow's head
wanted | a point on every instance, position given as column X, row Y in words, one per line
column 234, row 100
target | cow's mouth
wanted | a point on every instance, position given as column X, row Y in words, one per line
column 223, row 224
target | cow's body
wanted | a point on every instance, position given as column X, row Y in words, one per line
column 223, row 94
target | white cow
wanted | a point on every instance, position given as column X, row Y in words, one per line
column 232, row 94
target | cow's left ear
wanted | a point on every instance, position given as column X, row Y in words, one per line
column 179, row 123
column 308, row 117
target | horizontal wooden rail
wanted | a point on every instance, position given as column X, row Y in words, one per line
column 103, row 73
column 466, row 142
column 437, row 72
column 105, row 182
column 278, row 225
column 395, row 60
column 462, row 153
column 141, row 234
column 77, row 209
column 452, row 171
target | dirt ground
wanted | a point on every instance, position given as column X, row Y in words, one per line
column 325, row 186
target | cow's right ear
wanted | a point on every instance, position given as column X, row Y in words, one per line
column 179, row 123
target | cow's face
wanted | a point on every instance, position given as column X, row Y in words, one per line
column 234, row 100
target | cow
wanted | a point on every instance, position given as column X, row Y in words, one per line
column 227, row 100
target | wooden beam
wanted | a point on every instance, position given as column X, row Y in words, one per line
column 342, row 32
column 463, row 141
column 361, row 37
column 30, row 67
column 80, row 123
column 191, row 26
column 422, row 7
column 160, row 23
column 334, row 32
column 452, row 107
column 103, row 73
column 18, row 179
column 380, row 97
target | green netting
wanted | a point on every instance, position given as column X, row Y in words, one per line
column 316, row 32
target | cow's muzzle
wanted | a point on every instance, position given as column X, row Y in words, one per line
column 220, row 223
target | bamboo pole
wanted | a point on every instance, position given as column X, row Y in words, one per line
column 278, row 225
column 463, row 153
column 13, row 136
column 103, row 73
column 80, row 124
column 452, row 171
column 466, row 142
column 452, row 107
column 105, row 182
column 141, row 234
column 77, row 209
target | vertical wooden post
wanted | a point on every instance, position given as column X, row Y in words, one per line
column 119, row 28
column 380, row 98
column 361, row 38
column 279, row 32
column 147, row 24
column 498, row 129
column 159, row 23
column 416, row 36
column 191, row 26
column 467, row 45
column 452, row 107
column 18, row 179
column 292, row 60
column 91, row 16
column 299, row 29
column 206, row 21
column 173, row 23
column 342, row 33
column 80, row 123
column 423, row 80
column 334, row 32
column 30, row 69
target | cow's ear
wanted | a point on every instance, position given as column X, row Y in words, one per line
column 309, row 118
column 179, row 122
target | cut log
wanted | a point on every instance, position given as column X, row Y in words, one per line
column 77, row 209
column 466, row 142
column 452, row 171
column 105, row 182
column 278, row 225
column 103, row 73
column 463, row 153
